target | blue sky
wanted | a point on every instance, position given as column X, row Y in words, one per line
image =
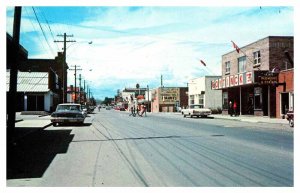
column 139, row 44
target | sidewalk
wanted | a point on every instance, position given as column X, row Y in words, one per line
column 252, row 119
column 26, row 124
column 247, row 118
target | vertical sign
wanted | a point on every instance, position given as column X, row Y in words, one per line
column 227, row 81
column 223, row 83
column 231, row 80
column 249, row 77
column 220, row 83
column 241, row 79
column 236, row 80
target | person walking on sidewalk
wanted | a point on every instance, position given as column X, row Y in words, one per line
column 230, row 108
column 234, row 108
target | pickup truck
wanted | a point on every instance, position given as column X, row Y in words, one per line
column 195, row 111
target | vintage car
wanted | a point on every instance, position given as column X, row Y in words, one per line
column 67, row 113
column 195, row 111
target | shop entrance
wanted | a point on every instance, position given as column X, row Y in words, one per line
column 284, row 103
column 265, row 101
column 247, row 101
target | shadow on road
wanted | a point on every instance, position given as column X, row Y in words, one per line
column 203, row 117
column 33, row 154
column 73, row 124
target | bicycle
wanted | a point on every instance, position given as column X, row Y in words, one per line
column 132, row 110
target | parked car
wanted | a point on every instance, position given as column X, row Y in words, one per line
column 122, row 109
column 108, row 108
column 195, row 111
column 84, row 109
column 67, row 113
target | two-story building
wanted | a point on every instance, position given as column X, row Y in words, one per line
column 167, row 99
column 250, row 75
column 201, row 92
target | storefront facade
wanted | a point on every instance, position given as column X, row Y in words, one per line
column 168, row 99
column 250, row 77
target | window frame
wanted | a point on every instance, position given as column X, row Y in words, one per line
column 256, row 58
column 243, row 64
column 225, row 100
column 227, row 67
column 257, row 94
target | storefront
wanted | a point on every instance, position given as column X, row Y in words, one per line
column 253, row 92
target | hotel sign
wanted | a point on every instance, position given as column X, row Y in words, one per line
column 266, row 78
column 233, row 80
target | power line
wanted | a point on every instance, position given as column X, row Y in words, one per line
column 49, row 29
column 43, row 31
column 35, row 30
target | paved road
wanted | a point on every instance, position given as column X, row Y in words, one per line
column 114, row 149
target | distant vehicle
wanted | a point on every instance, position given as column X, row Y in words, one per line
column 90, row 109
column 84, row 109
column 195, row 111
column 108, row 108
column 67, row 113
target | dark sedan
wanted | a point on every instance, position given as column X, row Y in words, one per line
column 67, row 113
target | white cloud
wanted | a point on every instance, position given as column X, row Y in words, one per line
column 131, row 46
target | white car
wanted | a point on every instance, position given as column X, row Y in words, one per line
column 195, row 111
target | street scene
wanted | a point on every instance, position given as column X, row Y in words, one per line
column 113, row 149
column 150, row 96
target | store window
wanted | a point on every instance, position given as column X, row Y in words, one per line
column 257, row 98
column 227, row 67
column 192, row 99
column 256, row 56
column 242, row 64
column 225, row 100
column 201, row 100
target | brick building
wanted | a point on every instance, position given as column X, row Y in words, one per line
column 166, row 99
column 285, row 93
column 52, row 66
column 251, row 75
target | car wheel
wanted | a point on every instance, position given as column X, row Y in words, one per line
column 54, row 124
column 184, row 115
column 291, row 123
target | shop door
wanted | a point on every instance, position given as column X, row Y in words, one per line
column 284, row 103
column 265, row 101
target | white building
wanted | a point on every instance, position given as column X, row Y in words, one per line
column 33, row 92
column 200, row 92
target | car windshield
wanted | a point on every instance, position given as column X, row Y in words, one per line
column 67, row 108
column 196, row 107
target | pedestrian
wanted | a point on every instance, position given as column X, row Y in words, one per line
column 230, row 108
column 234, row 107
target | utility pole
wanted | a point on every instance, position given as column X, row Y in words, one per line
column 14, row 76
column 64, row 74
column 80, row 88
column 75, row 68
column 84, row 98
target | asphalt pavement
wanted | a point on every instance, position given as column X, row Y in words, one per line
column 26, row 124
column 114, row 149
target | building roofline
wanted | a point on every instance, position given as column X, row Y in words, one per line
column 268, row 37
column 209, row 76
